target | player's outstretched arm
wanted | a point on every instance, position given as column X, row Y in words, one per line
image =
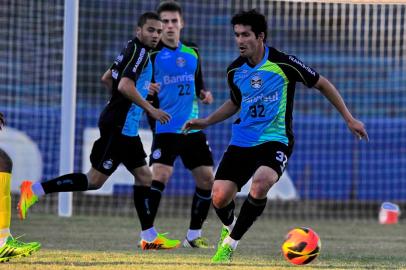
column 332, row 94
column 225, row 111
column 127, row 88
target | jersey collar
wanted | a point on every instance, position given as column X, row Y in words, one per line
column 264, row 59
column 172, row 48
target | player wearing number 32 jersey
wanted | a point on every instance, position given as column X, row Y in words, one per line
column 265, row 94
column 262, row 85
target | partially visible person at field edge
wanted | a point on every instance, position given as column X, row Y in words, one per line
column 10, row 247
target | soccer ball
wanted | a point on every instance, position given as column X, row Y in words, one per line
column 301, row 246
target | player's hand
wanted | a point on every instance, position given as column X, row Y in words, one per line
column 153, row 88
column 2, row 120
column 206, row 97
column 358, row 129
column 160, row 115
column 194, row 124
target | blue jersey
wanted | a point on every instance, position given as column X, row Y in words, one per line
column 178, row 72
column 265, row 95
column 134, row 63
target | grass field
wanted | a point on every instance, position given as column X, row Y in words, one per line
column 110, row 243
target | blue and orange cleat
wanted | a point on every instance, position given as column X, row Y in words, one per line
column 27, row 199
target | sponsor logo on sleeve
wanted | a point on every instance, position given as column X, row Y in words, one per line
column 139, row 60
column 297, row 61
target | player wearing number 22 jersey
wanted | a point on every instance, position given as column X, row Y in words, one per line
column 179, row 74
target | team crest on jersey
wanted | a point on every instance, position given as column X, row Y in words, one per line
column 256, row 82
column 108, row 164
column 156, row 154
column 180, row 62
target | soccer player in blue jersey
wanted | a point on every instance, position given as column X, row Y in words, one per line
column 10, row 247
column 119, row 142
column 179, row 86
column 262, row 83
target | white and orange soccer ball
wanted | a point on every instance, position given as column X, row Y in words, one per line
column 301, row 246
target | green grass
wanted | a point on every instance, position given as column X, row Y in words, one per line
column 111, row 243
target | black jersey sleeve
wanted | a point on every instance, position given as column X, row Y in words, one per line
column 120, row 61
column 135, row 59
column 235, row 93
column 153, row 99
column 298, row 71
column 199, row 82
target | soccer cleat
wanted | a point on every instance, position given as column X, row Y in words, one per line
column 14, row 249
column 223, row 234
column 27, row 199
column 199, row 242
column 160, row 242
column 223, row 255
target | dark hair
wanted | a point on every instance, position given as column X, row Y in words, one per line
column 169, row 6
column 253, row 18
column 147, row 16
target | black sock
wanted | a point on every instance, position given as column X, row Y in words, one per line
column 67, row 182
column 226, row 214
column 141, row 195
column 200, row 208
column 250, row 210
column 155, row 195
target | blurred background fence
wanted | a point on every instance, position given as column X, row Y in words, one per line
column 359, row 47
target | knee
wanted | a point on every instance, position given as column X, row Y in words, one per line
column 95, row 181
column 144, row 178
column 93, row 185
column 161, row 174
column 220, row 198
column 205, row 182
column 260, row 186
column 204, row 177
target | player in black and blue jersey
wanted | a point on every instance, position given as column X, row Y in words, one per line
column 262, row 83
column 128, row 78
column 178, row 87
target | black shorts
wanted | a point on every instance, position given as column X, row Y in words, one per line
column 113, row 148
column 193, row 149
column 240, row 163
